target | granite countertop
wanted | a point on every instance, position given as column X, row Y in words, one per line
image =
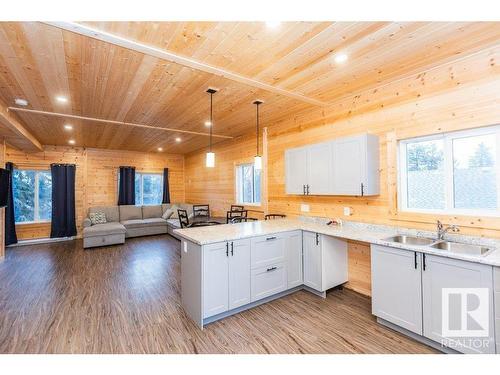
column 369, row 233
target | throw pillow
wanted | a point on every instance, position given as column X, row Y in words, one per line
column 174, row 209
column 97, row 218
column 166, row 215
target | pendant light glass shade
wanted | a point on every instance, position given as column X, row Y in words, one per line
column 257, row 162
column 210, row 161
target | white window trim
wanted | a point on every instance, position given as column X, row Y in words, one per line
column 448, row 170
column 141, row 186
column 238, row 171
column 36, row 205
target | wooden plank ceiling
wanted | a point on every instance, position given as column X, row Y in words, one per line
column 39, row 62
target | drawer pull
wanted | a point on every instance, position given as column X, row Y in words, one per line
column 270, row 238
column 271, row 269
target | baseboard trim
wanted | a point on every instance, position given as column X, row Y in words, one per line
column 41, row 241
column 417, row 337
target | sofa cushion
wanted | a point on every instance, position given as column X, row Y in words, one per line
column 134, row 223
column 155, row 221
column 151, row 211
column 130, row 212
column 97, row 218
column 165, row 206
column 103, row 230
column 175, row 223
column 111, row 212
column 167, row 214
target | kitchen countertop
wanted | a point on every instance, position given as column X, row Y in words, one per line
column 369, row 233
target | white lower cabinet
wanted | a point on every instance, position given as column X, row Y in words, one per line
column 268, row 280
column 226, row 276
column 396, row 290
column 325, row 261
column 293, row 248
column 408, row 290
column 439, row 274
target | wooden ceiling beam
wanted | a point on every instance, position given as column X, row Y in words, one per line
column 100, row 120
column 14, row 125
column 178, row 59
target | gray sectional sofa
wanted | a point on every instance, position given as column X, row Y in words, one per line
column 129, row 221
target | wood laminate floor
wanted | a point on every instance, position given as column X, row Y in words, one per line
column 59, row 298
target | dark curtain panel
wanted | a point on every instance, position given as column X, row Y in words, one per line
column 63, row 200
column 166, row 187
column 126, row 188
column 10, row 221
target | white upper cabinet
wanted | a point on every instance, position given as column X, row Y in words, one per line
column 344, row 166
column 296, row 170
column 319, row 169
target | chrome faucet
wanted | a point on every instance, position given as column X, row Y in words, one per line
column 441, row 230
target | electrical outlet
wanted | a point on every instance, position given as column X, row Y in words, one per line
column 347, row 211
column 304, row 208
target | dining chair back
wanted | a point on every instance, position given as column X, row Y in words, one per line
column 274, row 216
column 201, row 210
column 183, row 218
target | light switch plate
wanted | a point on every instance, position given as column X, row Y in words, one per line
column 304, row 208
column 347, row 211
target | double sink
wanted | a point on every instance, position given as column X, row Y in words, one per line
column 450, row 246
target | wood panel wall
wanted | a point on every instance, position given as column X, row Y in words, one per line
column 96, row 176
column 454, row 96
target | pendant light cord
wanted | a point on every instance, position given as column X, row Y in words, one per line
column 257, row 104
column 211, row 121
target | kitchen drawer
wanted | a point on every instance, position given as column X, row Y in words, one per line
column 496, row 278
column 268, row 280
column 268, row 250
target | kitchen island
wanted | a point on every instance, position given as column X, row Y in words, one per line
column 226, row 269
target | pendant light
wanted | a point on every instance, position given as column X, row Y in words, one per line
column 257, row 159
column 210, row 160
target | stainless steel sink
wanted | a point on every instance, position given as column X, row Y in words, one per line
column 409, row 240
column 461, row 248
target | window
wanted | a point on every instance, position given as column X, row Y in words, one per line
column 453, row 173
column 32, row 195
column 247, row 184
column 148, row 188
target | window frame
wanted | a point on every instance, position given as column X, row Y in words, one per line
column 36, row 205
column 239, row 186
column 141, row 186
column 447, row 138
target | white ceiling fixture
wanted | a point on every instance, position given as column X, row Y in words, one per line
column 68, row 127
column 62, row 99
column 273, row 24
column 210, row 160
column 257, row 158
column 71, row 142
column 21, row 102
column 340, row 58
column 160, row 149
column 178, row 139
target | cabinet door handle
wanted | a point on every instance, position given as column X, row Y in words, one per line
column 271, row 269
column 415, row 259
column 304, row 188
column 232, row 248
column 317, row 238
column 307, row 189
column 270, row 238
column 362, row 189
column 424, row 263
column 227, row 249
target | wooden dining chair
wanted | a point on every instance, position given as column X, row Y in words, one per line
column 239, row 219
column 236, row 207
column 274, row 216
column 234, row 214
column 183, row 218
column 201, row 210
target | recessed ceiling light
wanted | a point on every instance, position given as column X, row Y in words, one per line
column 273, row 24
column 178, row 139
column 71, row 141
column 208, row 123
column 68, row 127
column 340, row 58
column 61, row 99
column 160, row 149
column 22, row 102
